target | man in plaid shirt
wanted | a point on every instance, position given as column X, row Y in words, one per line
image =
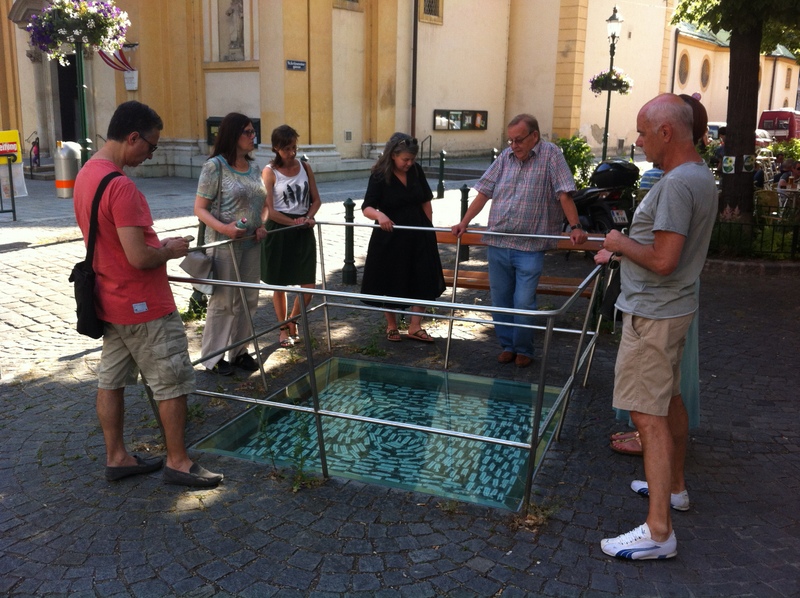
column 530, row 186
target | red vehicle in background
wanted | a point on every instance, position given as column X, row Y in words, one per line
column 781, row 124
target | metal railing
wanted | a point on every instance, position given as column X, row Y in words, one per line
column 774, row 233
column 447, row 310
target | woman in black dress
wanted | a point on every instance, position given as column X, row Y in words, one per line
column 401, row 263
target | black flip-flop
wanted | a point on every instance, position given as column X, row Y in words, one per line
column 421, row 335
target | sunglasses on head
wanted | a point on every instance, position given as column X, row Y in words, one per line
column 410, row 141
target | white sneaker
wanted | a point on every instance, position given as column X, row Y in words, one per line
column 679, row 502
column 638, row 545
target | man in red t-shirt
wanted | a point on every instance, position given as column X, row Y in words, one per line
column 143, row 331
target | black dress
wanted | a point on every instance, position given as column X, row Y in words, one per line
column 403, row 263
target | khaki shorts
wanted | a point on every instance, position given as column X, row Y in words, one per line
column 647, row 374
column 158, row 349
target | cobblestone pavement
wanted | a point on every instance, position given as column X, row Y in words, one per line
column 66, row 531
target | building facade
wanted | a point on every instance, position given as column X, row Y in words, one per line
column 348, row 73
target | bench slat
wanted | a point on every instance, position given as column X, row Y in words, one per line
column 548, row 285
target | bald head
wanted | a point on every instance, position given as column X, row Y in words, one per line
column 665, row 131
column 669, row 109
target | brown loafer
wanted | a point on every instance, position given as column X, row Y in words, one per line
column 506, row 357
column 522, row 361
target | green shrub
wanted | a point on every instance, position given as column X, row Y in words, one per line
column 773, row 242
column 579, row 157
column 789, row 149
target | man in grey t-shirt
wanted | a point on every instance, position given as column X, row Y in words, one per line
column 661, row 261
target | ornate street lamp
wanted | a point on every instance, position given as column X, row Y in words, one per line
column 614, row 28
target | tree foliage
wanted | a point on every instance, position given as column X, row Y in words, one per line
column 755, row 27
column 778, row 20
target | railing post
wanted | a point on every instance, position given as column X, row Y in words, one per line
column 440, row 187
column 349, row 268
column 463, row 250
column 495, row 153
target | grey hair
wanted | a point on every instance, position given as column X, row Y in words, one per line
column 665, row 110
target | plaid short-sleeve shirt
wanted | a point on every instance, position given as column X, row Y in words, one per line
column 525, row 196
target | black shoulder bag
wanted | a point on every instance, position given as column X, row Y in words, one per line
column 83, row 273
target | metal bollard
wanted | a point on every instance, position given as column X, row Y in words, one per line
column 349, row 269
column 440, row 186
column 633, row 152
column 67, row 162
column 463, row 250
column 495, row 153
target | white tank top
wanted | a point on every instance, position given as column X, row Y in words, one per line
column 291, row 195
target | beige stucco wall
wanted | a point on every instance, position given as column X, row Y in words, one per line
column 462, row 66
column 349, row 39
column 638, row 53
column 220, row 101
column 773, row 75
column 25, row 75
column 532, row 61
column 715, row 95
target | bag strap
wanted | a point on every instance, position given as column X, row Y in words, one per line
column 201, row 226
column 93, row 219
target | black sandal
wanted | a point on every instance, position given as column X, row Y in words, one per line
column 288, row 342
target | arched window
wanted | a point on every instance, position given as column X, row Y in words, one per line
column 705, row 73
column 683, row 69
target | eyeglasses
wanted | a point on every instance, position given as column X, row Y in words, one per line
column 519, row 140
column 152, row 146
column 411, row 141
column 249, row 132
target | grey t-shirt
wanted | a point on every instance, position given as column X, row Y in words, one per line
column 684, row 201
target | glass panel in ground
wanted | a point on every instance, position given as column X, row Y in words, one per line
column 462, row 469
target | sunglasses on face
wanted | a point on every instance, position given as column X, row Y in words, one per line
column 152, row 146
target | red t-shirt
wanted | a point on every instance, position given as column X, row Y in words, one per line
column 124, row 294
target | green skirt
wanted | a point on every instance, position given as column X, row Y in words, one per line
column 288, row 257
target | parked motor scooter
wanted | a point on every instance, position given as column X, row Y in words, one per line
column 607, row 204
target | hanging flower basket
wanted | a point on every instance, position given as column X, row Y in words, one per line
column 615, row 80
column 63, row 23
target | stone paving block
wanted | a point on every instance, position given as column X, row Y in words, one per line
column 305, row 560
column 370, row 564
column 337, row 582
column 417, row 590
column 365, row 582
column 293, row 578
column 396, row 578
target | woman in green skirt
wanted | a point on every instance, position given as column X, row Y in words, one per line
column 289, row 255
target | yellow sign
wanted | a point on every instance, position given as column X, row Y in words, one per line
column 9, row 144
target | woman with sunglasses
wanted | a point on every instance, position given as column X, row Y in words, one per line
column 231, row 203
column 289, row 257
column 401, row 263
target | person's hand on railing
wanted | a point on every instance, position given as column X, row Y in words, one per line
column 458, row 229
column 603, row 257
column 305, row 221
column 385, row 222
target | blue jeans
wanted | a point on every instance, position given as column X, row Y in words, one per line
column 513, row 278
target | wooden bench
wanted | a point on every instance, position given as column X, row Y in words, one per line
column 548, row 285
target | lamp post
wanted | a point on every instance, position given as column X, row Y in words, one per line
column 614, row 27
